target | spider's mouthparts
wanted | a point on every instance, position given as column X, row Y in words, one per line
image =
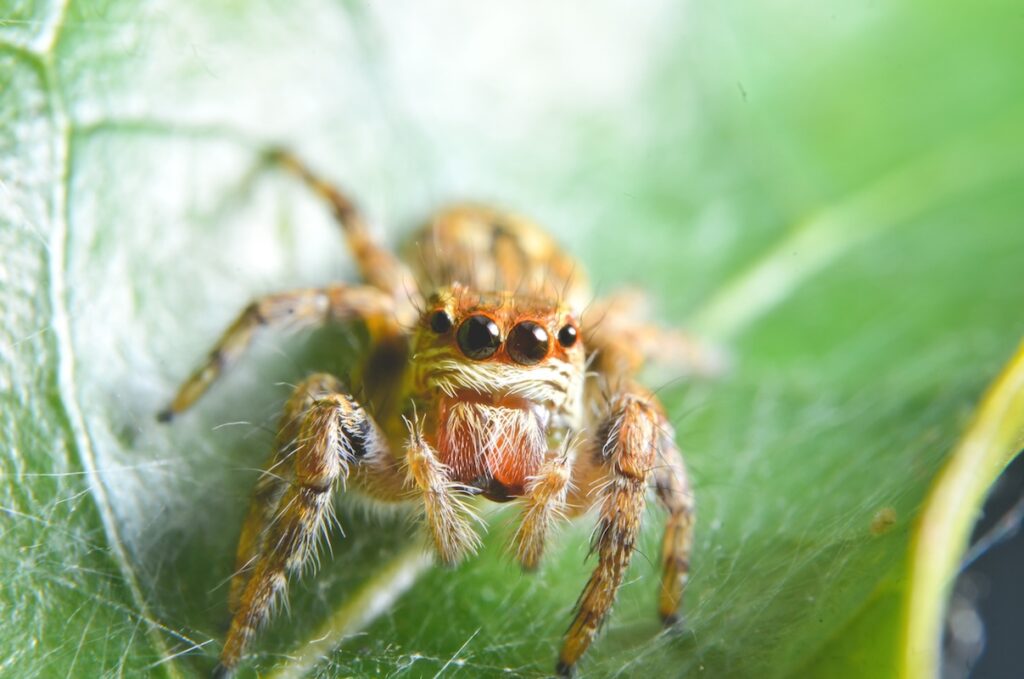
column 500, row 438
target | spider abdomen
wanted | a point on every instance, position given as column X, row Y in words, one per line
column 488, row 249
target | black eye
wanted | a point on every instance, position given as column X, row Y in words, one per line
column 567, row 336
column 528, row 343
column 440, row 322
column 479, row 337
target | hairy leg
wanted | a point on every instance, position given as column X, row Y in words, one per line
column 376, row 467
column 299, row 307
column 323, row 432
column 378, row 266
column 626, row 449
column 618, row 331
column 447, row 516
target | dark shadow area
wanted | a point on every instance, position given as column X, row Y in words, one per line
column 983, row 638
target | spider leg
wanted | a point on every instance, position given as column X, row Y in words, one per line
column 626, row 450
column 543, row 504
column 447, row 516
column 619, row 332
column 672, row 487
column 277, row 476
column 378, row 266
column 323, row 432
column 266, row 497
column 311, row 306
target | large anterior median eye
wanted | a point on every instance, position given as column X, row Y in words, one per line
column 528, row 343
column 479, row 337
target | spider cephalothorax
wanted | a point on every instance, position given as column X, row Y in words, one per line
column 485, row 379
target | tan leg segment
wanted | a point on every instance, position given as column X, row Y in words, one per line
column 674, row 494
column 323, row 432
column 448, row 517
column 543, row 504
column 277, row 476
column 262, row 507
column 618, row 331
column 378, row 266
column 628, row 447
column 299, row 307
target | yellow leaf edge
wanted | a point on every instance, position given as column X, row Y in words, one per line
column 990, row 442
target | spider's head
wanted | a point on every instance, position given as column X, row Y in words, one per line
column 503, row 347
column 505, row 372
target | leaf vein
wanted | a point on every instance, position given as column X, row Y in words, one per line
column 81, row 440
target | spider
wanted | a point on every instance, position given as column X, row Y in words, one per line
column 482, row 378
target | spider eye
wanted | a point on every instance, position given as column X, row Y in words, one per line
column 528, row 343
column 479, row 337
column 568, row 335
column 440, row 322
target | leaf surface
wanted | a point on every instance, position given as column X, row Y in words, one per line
column 832, row 193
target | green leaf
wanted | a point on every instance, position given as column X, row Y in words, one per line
column 832, row 193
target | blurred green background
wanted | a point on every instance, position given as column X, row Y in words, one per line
column 830, row 190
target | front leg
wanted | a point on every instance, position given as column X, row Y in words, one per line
column 323, row 432
column 448, row 517
column 625, row 449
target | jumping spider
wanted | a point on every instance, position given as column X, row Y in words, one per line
column 482, row 377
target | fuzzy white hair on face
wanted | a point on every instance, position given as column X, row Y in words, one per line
column 551, row 383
